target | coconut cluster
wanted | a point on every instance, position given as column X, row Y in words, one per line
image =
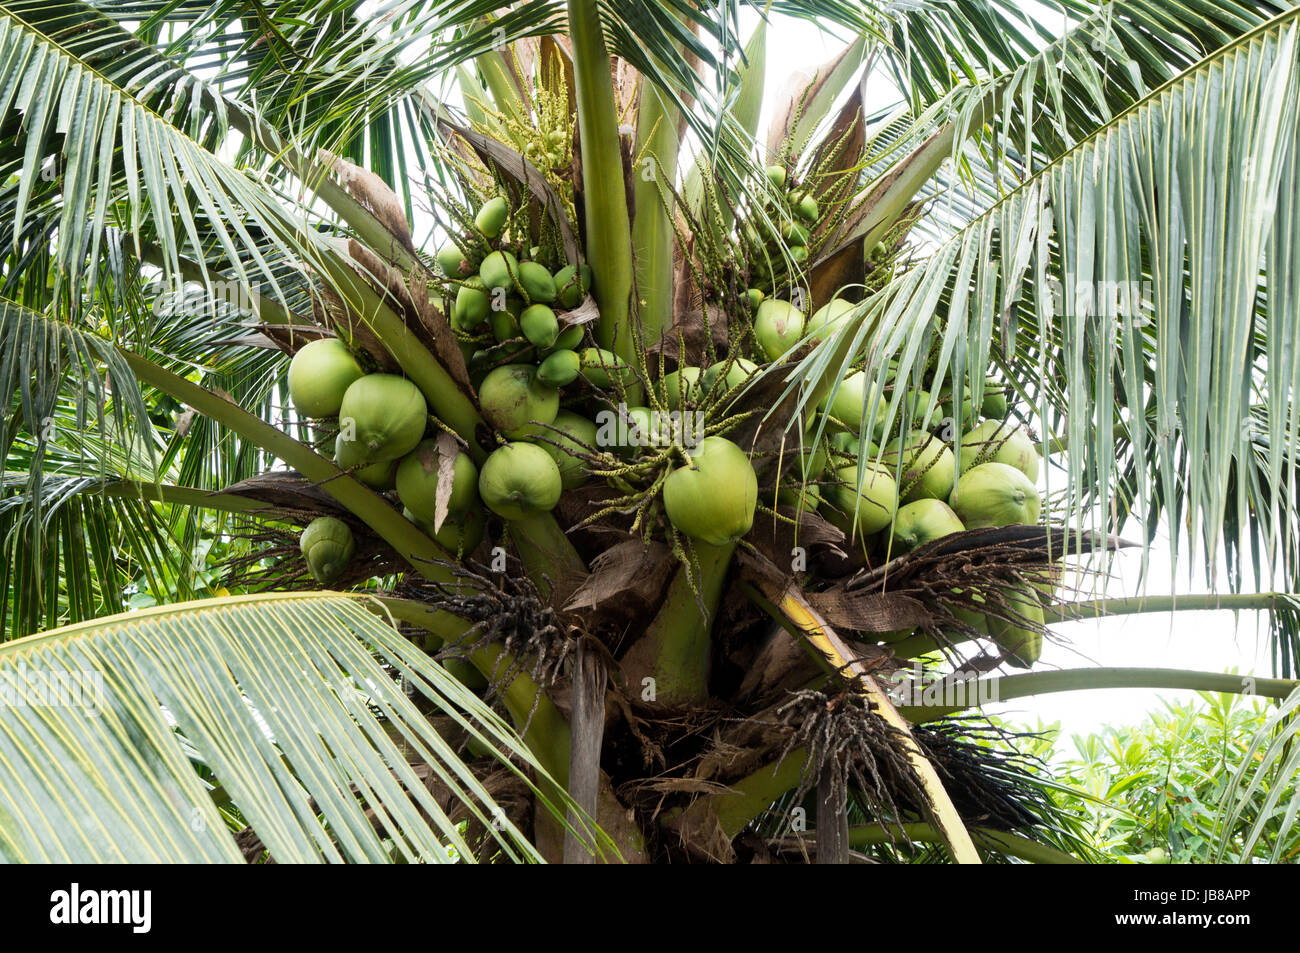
column 907, row 488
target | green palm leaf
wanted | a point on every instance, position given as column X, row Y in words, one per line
column 303, row 729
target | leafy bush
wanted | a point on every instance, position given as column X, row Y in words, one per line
column 1154, row 792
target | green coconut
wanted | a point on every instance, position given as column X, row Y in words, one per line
column 848, row 404
column 491, row 218
column 868, row 505
column 827, row 319
column 505, row 321
column 683, row 384
column 539, row 324
column 995, row 401
column 319, row 375
column 778, row 326
column 775, row 175
column 452, row 261
column 921, row 522
column 995, row 494
column 512, row 398
column 379, row 476
column 417, row 482
column 520, row 480
column 740, row 371
column 1022, row 643
column 559, row 368
column 644, row 428
column 537, row 282
column 327, row 546
column 457, row 536
column 572, row 284
column 385, row 415
column 602, row 368
column 568, row 340
column 928, row 469
column 577, row 435
column 499, row 270
column 713, row 500
column 805, row 206
column 993, row 441
column 753, row 298
column 472, row 304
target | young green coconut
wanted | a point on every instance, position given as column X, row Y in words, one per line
column 512, row 399
column 714, row 499
column 327, row 545
column 995, row 494
column 417, row 483
column 520, row 480
column 385, row 415
column 319, row 375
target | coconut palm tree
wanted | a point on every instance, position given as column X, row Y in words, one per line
column 1080, row 225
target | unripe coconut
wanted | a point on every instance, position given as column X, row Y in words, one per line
column 740, row 371
column 602, row 368
column 828, row 319
column 387, row 415
column 993, row 441
column 682, row 386
column 775, row 175
column 378, row 476
column 568, row 340
column 805, row 498
column 1024, row 643
column 457, row 537
column 505, row 321
column 645, row 428
column 794, row 233
column 512, row 398
column 417, row 482
column 452, row 261
column 805, row 206
column 519, row 480
column 472, row 304
column 798, row 254
column 559, row 368
column 921, row 522
column 539, row 324
column 871, row 507
column 319, row 375
column 572, row 284
column 327, row 546
column 713, row 500
column 995, row 494
column 754, row 297
column 537, row 282
column 778, row 326
column 577, row 436
column 848, row 405
column 928, row 466
column 491, row 218
column 995, row 401
column 499, row 270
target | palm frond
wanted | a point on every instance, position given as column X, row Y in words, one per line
column 328, row 758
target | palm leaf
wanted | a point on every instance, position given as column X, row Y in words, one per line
column 281, row 699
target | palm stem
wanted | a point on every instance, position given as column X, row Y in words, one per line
column 609, row 234
column 1006, row 687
